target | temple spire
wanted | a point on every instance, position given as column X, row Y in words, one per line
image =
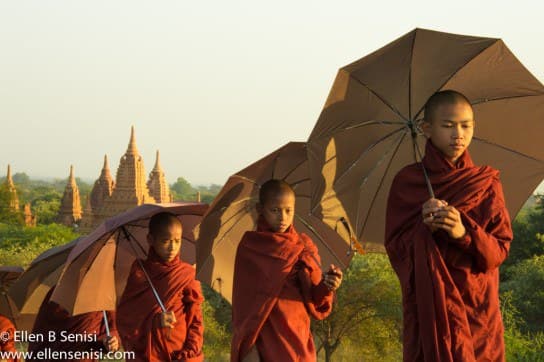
column 9, row 179
column 132, row 149
column 70, row 204
column 157, row 185
column 12, row 191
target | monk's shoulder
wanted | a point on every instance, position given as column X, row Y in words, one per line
column 187, row 269
column 405, row 175
column 309, row 244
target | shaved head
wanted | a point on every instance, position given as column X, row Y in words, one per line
column 443, row 97
column 160, row 222
column 272, row 188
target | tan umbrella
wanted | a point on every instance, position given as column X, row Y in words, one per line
column 369, row 127
column 233, row 212
column 29, row 291
column 97, row 269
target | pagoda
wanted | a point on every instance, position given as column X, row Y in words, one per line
column 130, row 188
column 13, row 199
column 157, row 185
column 70, row 204
column 29, row 218
column 87, row 221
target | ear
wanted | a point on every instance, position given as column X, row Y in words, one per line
column 426, row 128
column 150, row 239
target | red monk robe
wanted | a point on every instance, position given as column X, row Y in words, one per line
column 7, row 329
column 450, row 287
column 54, row 319
column 277, row 283
column 138, row 314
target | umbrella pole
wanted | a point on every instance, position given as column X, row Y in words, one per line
column 130, row 238
column 418, row 152
column 106, row 324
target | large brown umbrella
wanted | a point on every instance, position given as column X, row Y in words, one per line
column 368, row 129
column 97, row 269
column 29, row 291
column 233, row 212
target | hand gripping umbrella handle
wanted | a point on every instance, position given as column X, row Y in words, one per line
column 130, row 238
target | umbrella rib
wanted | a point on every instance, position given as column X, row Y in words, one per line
column 487, row 100
column 457, row 71
column 310, row 227
column 379, row 187
column 370, row 123
column 295, row 168
column 245, row 199
column 365, row 151
column 380, row 98
column 508, row 149
column 410, row 76
column 229, row 229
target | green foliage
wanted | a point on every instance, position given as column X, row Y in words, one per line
column 526, row 285
column 519, row 346
column 366, row 320
column 19, row 245
column 182, row 190
column 217, row 319
column 528, row 229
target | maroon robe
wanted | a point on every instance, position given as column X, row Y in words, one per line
column 277, row 287
column 138, row 313
column 7, row 344
column 450, row 287
column 52, row 318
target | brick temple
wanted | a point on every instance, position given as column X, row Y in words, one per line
column 110, row 197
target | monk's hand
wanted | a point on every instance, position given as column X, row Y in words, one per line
column 429, row 210
column 111, row 343
column 252, row 355
column 333, row 278
column 168, row 319
column 449, row 219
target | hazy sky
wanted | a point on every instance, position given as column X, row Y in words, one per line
column 214, row 85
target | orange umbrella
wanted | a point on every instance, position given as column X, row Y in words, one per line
column 369, row 127
column 97, row 269
column 233, row 212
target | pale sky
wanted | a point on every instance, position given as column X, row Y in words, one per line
column 215, row 85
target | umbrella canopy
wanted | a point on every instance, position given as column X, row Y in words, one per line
column 8, row 275
column 97, row 269
column 29, row 291
column 233, row 213
column 369, row 126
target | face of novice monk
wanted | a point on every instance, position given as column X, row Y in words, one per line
column 167, row 242
column 450, row 129
column 279, row 210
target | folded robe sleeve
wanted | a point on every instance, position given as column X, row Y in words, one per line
column 488, row 243
column 192, row 300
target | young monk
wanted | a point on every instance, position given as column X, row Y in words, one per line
column 447, row 250
column 278, row 284
column 80, row 333
column 153, row 334
column 7, row 342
